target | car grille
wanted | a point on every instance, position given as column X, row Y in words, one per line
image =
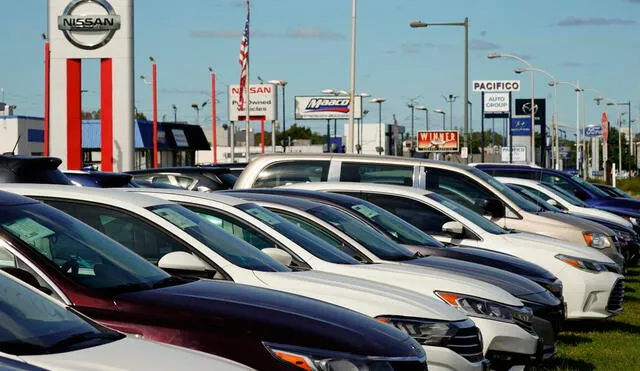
column 527, row 326
column 616, row 297
column 467, row 343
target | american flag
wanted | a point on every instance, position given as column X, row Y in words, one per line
column 244, row 62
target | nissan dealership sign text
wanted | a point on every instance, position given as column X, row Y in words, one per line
column 262, row 102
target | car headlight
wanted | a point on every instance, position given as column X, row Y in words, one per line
column 324, row 360
column 597, row 240
column 583, row 264
column 477, row 307
column 425, row 332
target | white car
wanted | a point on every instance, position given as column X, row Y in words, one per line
column 180, row 241
column 556, row 196
column 40, row 332
column 509, row 330
column 591, row 287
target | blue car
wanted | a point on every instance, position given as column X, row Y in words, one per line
column 587, row 192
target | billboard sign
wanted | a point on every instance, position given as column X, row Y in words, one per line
column 520, row 126
column 592, row 131
column 325, row 107
column 438, row 141
column 523, row 108
column 519, row 154
column 263, row 105
column 496, row 85
column 496, row 103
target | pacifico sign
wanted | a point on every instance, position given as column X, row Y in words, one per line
column 89, row 24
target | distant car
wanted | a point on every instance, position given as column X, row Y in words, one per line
column 38, row 333
column 99, row 179
column 100, row 278
column 236, row 168
column 192, row 178
column 614, row 191
column 31, row 169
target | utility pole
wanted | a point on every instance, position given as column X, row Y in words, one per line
column 452, row 98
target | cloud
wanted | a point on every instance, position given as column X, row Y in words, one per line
column 295, row 33
column 483, row 33
column 483, row 45
column 411, row 48
column 573, row 64
column 574, row 21
column 634, row 1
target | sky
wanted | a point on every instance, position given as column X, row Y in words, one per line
column 307, row 43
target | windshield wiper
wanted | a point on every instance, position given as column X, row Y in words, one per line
column 80, row 338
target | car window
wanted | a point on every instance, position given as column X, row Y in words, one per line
column 87, row 257
column 560, row 182
column 162, row 179
column 376, row 173
column 184, row 181
column 31, row 324
column 567, row 196
column 233, row 226
column 522, row 174
column 312, row 228
column 459, row 188
column 470, row 215
column 282, row 173
column 10, row 261
column 141, row 237
column 593, row 189
column 538, row 196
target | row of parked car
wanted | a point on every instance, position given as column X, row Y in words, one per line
column 312, row 262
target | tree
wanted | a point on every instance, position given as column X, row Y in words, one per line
column 293, row 132
column 476, row 140
column 141, row 116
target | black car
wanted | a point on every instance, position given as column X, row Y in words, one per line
column 548, row 309
column 236, row 168
column 99, row 179
column 192, row 178
column 262, row 328
column 31, row 169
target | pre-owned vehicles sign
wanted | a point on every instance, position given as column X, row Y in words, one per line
column 327, row 107
column 438, row 141
column 262, row 102
column 496, row 85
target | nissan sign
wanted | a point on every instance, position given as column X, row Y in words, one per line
column 496, row 85
column 89, row 24
column 263, row 103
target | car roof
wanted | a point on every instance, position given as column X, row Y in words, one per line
column 334, row 198
column 12, row 199
column 214, row 196
column 356, row 187
column 17, row 161
column 102, row 195
column 297, row 203
column 183, row 170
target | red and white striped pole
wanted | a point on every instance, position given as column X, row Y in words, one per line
column 155, row 111
column 47, row 64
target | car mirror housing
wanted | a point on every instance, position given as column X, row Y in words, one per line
column 453, row 228
column 552, row 202
column 182, row 261
column 280, row 255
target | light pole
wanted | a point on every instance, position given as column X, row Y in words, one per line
column 175, row 113
column 532, row 151
column 359, row 144
column 578, row 90
column 464, row 24
column 556, row 150
column 282, row 83
column 197, row 108
column 413, row 134
column 450, row 99
column 443, row 113
column 214, row 118
column 154, row 93
column 628, row 104
column 426, row 116
column 619, row 119
column 352, row 89
column 337, row 93
column 379, row 101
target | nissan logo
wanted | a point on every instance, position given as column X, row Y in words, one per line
column 89, row 24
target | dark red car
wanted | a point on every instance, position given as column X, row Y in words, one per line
column 264, row 329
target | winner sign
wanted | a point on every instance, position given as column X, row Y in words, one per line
column 438, row 141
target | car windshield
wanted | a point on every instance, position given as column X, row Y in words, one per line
column 593, row 189
column 506, row 191
column 231, row 248
column 31, row 324
column 530, row 196
column 396, row 228
column 311, row 243
column 566, row 196
column 470, row 215
column 369, row 238
column 86, row 256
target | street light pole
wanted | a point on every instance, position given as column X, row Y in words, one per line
column 214, row 119
column 451, row 99
column 426, row 116
column 465, row 24
column 444, row 114
column 379, row 101
column 154, row 88
column 350, row 147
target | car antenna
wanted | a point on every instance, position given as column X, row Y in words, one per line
column 13, row 151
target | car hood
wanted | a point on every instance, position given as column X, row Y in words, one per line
column 577, row 222
column 632, row 206
column 512, row 283
column 426, row 281
column 493, row 259
column 133, row 354
column 265, row 315
column 365, row 296
column 527, row 244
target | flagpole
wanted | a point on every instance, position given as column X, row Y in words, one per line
column 248, row 86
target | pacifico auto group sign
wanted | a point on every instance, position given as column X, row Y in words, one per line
column 89, row 24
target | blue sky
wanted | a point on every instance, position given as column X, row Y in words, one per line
column 307, row 43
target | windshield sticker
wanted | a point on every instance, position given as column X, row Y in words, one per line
column 31, row 232
column 175, row 218
column 366, row 211
column 264, row 216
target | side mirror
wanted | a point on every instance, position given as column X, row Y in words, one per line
column 453, row 228
column 553, row 202
column 494, row 208
column 181, row 261
column 280, row 255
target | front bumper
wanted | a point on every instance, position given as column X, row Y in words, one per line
column 507, row 338
column 588, row 294
column 444, row 359
column 547, row 322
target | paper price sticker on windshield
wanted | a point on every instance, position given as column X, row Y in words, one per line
column 365, row 211
column 175, row 218
column 31, row 232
